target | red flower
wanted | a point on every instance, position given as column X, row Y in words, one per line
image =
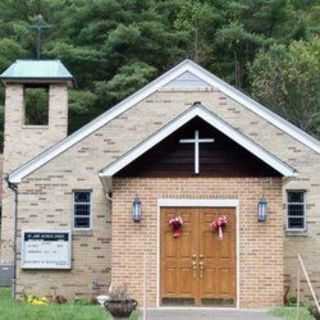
column 176, row 223
column 218, row 225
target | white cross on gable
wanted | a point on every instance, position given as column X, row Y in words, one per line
column 196, row 142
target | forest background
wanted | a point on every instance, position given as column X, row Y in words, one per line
column 269, row 49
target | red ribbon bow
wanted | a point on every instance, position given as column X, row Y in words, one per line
column 176, row 224
column 218, row 225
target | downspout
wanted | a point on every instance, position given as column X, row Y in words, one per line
column 14, row 188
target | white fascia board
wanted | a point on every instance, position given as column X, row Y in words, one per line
column 136, row 152
column 170, row 202
column 213, row 120
column 248, row 144
column 255, row 107
column 185, row 66
column 32, row 165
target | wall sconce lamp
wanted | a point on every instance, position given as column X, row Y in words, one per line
column 262, row 210
column 136, row 210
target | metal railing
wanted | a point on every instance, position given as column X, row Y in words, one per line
column 302, row 267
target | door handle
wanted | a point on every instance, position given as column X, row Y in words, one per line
column 194, row 266
column 201, row 267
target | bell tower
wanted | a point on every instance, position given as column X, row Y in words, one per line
column 36, row 108
column 36, row 117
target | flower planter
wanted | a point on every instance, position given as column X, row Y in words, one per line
column 121, row 308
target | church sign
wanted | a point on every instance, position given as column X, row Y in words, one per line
column 46, row 249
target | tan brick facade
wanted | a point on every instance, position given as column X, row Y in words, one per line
column 22, row 142
column 91, row 250
column 45, row 197
column 261, row 245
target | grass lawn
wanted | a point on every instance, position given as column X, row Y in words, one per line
column 10, row 310
column 289, row 313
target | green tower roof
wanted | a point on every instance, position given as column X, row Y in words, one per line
column 36, row 70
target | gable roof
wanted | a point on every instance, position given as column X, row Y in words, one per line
column 124, row 105
column 39, row 70
column 198, row 110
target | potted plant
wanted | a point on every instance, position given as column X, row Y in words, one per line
column 119, row 303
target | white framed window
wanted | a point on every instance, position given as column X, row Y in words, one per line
column 296, row 210
column 82, row 217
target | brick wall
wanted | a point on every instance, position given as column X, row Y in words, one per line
column 261, row 245
column 49, row 205
column 22, row 142
column 78, row 167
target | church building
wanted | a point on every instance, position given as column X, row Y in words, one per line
column 188, row 192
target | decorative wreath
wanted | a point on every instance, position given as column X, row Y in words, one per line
column 176, row 224
column 218, row 225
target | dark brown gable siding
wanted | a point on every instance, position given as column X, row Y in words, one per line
column 223, row 158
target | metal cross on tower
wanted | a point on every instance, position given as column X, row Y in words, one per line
column 39, row 26
column 196, row 141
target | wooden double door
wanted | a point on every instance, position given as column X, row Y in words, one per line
column 198, row 268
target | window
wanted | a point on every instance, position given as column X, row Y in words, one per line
column 296, row 211
column 36, row 106
column 82, row 209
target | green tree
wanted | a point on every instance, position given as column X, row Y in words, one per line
column 198, row 20
column 125, row 82
column 287, row 79
column 249, row 26
column 103, row 42
column 113, row 47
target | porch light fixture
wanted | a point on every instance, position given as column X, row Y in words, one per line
column 262, row 210
column 136, row 210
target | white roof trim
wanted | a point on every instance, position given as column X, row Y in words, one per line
column 185, row 66
column 212, row 119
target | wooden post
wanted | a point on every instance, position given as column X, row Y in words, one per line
column 306, row 275
column 144, row 286
column 298, row 293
